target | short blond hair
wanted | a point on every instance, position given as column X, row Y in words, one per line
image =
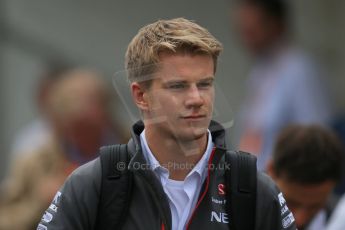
column 175, row 35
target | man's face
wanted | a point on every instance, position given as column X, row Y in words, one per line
column 256, row 29
column 305, row 201
column 180, row 99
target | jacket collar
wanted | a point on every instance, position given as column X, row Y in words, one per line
column 134, row 149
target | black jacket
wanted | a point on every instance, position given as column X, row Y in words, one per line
column 75, row 205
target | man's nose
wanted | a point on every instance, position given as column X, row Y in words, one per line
column 194, row 97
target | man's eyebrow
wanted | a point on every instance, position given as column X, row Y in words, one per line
column 210, row 78
column 169, row 82
column 181, row 81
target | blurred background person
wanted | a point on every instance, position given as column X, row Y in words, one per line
column 38, row 132
column 284, row 85
column 78, row 105
column 306, row 165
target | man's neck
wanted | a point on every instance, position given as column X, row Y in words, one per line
column 179, row 157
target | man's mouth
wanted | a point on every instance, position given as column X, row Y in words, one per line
column 194, row 117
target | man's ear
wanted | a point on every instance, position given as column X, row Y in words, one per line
column 139, row 95
column 270, row 169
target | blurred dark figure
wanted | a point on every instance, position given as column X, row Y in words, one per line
column 306, row 165
column 283, row 86
column 337, row 220
column 78, row 105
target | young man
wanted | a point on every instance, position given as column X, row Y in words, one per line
column 170, row 181
column 306, row 165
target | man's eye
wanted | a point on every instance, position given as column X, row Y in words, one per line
column 205, row 84
column 177, row 86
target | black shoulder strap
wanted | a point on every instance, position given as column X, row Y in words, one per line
column 241, row 182
column 116, row 187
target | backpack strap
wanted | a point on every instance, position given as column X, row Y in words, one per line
column 115, row 187
column 241, row 183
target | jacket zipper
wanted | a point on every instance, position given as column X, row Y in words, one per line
column 206, row 188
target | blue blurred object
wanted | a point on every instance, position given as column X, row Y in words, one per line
column 338, row 125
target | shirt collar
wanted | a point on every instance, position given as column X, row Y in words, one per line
column 200, row 167
column 149, row 157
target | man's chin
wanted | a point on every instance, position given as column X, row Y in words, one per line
column 199, row 132
column 193, row 134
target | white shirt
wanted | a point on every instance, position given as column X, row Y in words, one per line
column 337, row 220
column 319, row 221
column 182, row 195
